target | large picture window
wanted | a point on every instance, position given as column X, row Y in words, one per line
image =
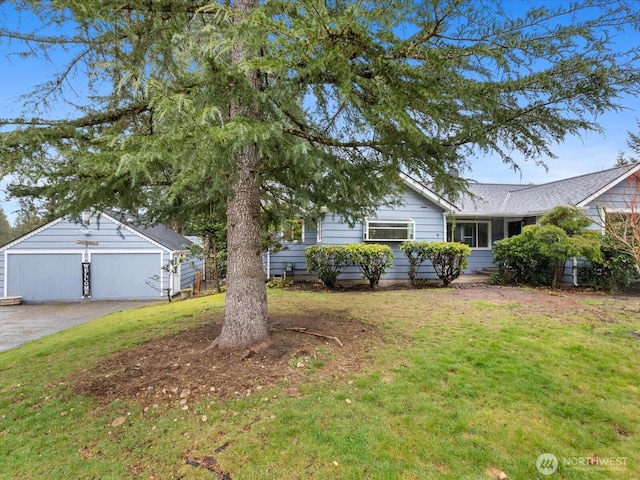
column 390, row 230
column 474, row 234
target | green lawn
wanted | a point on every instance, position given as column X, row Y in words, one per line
column 464, row 386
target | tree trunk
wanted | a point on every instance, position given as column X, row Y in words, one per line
column 245, row 318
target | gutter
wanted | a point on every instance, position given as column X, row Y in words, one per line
column 574, row 269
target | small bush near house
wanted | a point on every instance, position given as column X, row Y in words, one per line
column 417, row 253
column 520, row 261
column 449, row 259
column 616, row 271
column 327, row 261
column 372, row 259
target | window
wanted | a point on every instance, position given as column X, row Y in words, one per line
column 319, row 230
column 474, row 234
column 292, row 231
column 390, row 230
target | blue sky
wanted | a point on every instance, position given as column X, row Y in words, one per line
column 576, row 156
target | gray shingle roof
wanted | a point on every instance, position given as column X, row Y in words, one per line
column 531, row 199
column 158, row 233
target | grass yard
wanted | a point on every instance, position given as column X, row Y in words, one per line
column 463, row 383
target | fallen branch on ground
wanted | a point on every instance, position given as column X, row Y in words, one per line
column 213, row 345
column 304, row 330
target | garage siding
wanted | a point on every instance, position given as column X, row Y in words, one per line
column 45, row 277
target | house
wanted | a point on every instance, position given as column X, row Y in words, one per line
column 488, row 213
column 105, row 256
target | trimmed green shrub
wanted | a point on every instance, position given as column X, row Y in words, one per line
column 538, row 255
column 417, row 254
column 449, row 259
column 327, row 261
column 372, row 259
column 520, row 260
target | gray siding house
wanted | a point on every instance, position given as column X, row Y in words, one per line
column 488, row 213
column 106, row 256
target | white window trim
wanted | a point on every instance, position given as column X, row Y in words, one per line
column 318, row 230
column 407, row 221
column 476, row 222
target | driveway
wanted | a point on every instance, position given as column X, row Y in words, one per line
column 22, row 323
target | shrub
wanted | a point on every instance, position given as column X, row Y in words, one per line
column 449, row 259
column 417, row 254
column 521, row 261
column 372, row 259
column 327, row 261
column 616, row 270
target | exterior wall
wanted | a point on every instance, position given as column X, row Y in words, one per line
column 429, row 222
column 46, row 265
column 623, row 197
column 188, row 270
column 478, row 260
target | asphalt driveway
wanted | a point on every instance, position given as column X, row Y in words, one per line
column 22, row 323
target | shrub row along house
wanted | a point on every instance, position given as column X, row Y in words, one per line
column 103, row 257
column 488, row 213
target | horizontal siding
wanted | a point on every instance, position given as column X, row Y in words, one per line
column 65, row 234
column 478, row 260
column 188, row 271
column 293, row 253
column 623, row 197
column 427, row 216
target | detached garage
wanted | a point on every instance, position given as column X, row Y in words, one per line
column 106, row 256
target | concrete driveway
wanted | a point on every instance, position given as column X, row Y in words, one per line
column 22, row 323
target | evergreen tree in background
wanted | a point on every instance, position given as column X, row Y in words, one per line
column 6, row 232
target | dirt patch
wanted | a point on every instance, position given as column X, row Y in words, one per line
column 177, row 367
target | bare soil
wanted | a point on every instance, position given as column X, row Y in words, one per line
column 181, row 365
column 178, row 366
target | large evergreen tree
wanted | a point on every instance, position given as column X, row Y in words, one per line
column 281, row 105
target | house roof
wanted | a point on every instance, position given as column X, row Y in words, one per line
column 161, row 234
column 512, row 199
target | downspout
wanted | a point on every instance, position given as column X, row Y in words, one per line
column 5, row 287
column 575, row 271
column 170, row 284
column 444, row 226
column 268, row 262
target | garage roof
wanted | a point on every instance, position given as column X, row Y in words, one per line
column 158, row 233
